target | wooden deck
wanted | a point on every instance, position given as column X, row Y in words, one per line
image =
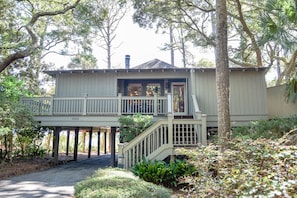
column 117, row 105
column 156, row 143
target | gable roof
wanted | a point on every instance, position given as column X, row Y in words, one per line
column 154, row 64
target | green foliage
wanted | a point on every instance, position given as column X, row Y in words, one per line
column 249, row 168
column 11, row 89
column 17, row 128
column 291, row 89
column 278, row 23
column 270, row 129
column 28, row 141
column 132, row 126
column 118, row 183
column 158, row 172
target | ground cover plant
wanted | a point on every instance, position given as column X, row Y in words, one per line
column 269, row 129
column 248, row 168
column 118, row 183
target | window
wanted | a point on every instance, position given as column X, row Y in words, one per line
column 152, row 88
column 134, row 89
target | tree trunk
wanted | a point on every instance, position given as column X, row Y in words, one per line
column 222, row 74
column 171, row 45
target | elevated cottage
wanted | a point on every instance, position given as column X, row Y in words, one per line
column 182, row 101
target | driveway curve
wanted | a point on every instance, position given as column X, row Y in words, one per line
column 54, row 182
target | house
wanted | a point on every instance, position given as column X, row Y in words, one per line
column 182, row 101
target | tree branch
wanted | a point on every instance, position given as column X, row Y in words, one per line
column 6, row 61
column 250, row 34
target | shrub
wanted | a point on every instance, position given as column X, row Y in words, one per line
column 269, row 129
column 249, row 168
column 163, row 173
column 132, row 126
column 115, row 182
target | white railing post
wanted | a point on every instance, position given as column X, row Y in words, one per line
column 169, row 101
column 170, row 120
column 170, row 129
column 121, row 158
column 51, row 105
column 119, row 103
column 85, row 104
column 203, row 130
column 155, row 104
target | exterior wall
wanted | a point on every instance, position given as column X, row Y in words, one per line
column 94, row 84
column 205, row 85
column 247, row 96
column 277, row 105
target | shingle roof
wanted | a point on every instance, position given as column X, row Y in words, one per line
column 154, row 64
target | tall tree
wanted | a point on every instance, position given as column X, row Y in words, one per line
column 222, row 73
column 19, row 38
column 104, row 17
column 189, row 19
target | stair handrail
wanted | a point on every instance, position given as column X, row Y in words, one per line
column 124, row 148
column 144, row 134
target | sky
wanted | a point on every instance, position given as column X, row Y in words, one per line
column 141, row 44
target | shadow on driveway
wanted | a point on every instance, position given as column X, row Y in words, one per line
column 54, row 182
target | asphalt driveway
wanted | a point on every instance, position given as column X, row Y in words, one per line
column 55, row 182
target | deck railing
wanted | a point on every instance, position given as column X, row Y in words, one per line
column 117, row 105
column 159, row 141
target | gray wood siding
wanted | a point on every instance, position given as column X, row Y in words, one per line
column 277, row 105
column 77, row 85
column 206, row 92
column 248, row 100
column 248, row 93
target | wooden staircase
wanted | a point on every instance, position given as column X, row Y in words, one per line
column 160, row 140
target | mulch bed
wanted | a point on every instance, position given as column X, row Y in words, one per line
column 23, row 166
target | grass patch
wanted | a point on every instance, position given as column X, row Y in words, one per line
column 115, row 182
